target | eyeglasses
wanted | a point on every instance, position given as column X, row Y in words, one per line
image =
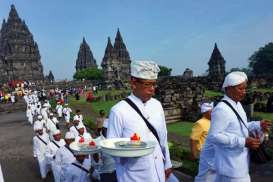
column 147, row 84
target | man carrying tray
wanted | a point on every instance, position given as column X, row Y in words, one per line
column 124, row 121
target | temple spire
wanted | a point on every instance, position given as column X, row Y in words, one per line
column 13, row 13
column 85, row 57
column 119, row 44
column 216, row 64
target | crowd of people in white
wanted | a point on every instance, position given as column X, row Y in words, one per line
column 53, row 152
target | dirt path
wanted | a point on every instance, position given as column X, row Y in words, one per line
column 16, row 156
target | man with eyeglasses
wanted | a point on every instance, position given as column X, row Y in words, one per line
column 124, row 121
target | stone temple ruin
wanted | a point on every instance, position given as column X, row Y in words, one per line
column 181, row 95
column 85, row 57
column 19, row 54
column 116, row 62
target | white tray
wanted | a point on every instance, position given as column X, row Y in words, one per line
column 78, row 150
column 108, row 146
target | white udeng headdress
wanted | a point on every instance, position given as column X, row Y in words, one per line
column 206, row 107
column 144, row 69
column 69, row 135
column 234, row 78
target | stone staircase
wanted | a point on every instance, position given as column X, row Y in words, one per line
column 9, row 107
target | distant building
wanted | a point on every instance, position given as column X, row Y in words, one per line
column 19, row 54
column 216, row 65
column 50, row 77
column 188, row 73
column 85, row 57
column 116, row 61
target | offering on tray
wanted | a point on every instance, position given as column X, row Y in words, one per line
column 125, row 147
column 84, row 146
column 135, row 138
column 133, row 143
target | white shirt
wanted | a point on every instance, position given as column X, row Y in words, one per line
column 39, row 148
column 44, row 113
column 64, row 156
column 228, row 135
column 51, row 125
column 59, row 109
column 67, row 112
column 51, row 149
column 123, row 122
column 72, row 173
column 74, row 130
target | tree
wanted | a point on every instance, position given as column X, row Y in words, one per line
column 164, row 71
column 261, row 62
column 88, row 74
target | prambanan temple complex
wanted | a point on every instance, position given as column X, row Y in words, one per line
column 85, row 57
column 19, row 54
column 116, row 61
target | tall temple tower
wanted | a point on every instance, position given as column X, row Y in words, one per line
column 116, row 61
column 216, row 64
column 19, row 54
column 85, row 57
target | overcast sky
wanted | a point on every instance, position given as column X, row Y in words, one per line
column 175, row 33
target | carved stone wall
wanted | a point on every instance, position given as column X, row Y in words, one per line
column 180, row 97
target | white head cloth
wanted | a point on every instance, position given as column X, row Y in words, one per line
column 69, row 135
column 55, row 132
column 38, row 126
column 51, row 114
column 144, row 69
column 205, row 107
column 234, row 78
column 80, row 126
column 40, row 117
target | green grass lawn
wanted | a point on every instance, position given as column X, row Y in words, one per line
column 181, row 128
column 263, row 115
column 263, row 90
column 211, row 93
column 107, row 105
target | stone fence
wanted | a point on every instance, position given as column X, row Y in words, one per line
column 180, row 98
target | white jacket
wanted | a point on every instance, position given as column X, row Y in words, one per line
column 39, row 147
column 124, row 121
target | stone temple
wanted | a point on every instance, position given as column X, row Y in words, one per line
column 116, row 61
column 19, row 54
column 85, row 57
column 216, row 65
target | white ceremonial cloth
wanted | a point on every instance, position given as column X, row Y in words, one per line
column 51, row 125
column 66, row 112
column 29, row 116
column 50, row 154
column 44, row 113
column 59, row 109
column 74, row 130
column 228, row 137
column 75, row 174
column 124, row 121
column 39, row 149
column 63, row 157
column 221, row 178
column 206, row 170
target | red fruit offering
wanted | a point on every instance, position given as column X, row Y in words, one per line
column 92, row 143
column 81, row 140
column 135, row 137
